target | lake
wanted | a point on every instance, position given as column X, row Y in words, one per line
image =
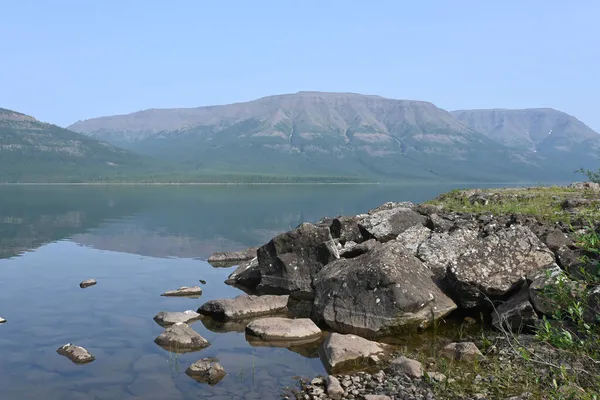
column 137, row 242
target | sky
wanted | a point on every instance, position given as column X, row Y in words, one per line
column 63, row 61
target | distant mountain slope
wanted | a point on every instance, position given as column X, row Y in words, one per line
column 315, row 132
column 33, row 151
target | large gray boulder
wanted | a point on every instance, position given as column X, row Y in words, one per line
column 287, row 329
column 340, row 351
column 180, row 338
column 496, row 265
column 346, row 229
column 289, row 262
column 228, row 259
column 247, row 274
column 414, row 237
column 381, row 292
column 244, row 307
column 516, row 314
column 439, row 250
column 386, row 225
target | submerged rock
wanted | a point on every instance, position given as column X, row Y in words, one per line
column 340, row 351
column 287, row 329
column 180, row 337
column 223, row 259
column 516, row 314
column 184, row 291
column 87, row 283
column 289, row 262
column 244, row 306
column 206, row 370
column 166, row 318
column 247, row 274
column 382, row 292
column 386, row 225
column 493, row 266
column 76, row 354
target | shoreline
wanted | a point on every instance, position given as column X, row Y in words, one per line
column 270, row 183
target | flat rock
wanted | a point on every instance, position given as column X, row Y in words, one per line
column 180, row 337
column 206, row 370
column 516, row 314
column 386, row 225
column 339, row 351
column 467, row 351
column 76, row 354
column 166, row 318
column 244, row 306
column 382, row 292
column 87, row 283
column 247, row 274
column 494, row 266
column 184, row 291
column 287, row 329
column 290, row 261
column 222, row 259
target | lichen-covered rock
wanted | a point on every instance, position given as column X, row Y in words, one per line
column 244, row 306
column 289, row 262
column 184, row 291
column 180, row 338
column 390, row 205
column 439, row 224
column 466, row 351
column 247, row 274
column 339, row 351
column 166, row 318
column 381, row 292
column 287, row 329
column 439, row 250
column 413, row 237
column 228, row 259
column 76, row 354
column 516, row 314
column 386, row 225
column 206, row 370
column 357, row 250
column 346, row 229
column 493, row 266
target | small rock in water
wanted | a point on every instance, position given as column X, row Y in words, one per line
column 180, row 338
column 87, row 283
column 2, row 320
column 206, row 370
column 184, row 291
column 202, row 281
column 77, row 354
column 165, row 318
column 276, row 328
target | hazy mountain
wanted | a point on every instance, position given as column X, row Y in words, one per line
column 34, row 151
column 317, row 133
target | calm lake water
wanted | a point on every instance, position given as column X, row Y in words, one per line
column 139, row 241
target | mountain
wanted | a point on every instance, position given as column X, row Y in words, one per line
column 34, row 151
column 317, row 133
column 552, row 135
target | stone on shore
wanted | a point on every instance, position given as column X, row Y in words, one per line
column 340, row 351
column 516, row 314
column 76, row 354
column 223, row 259
column 287, row 329
column 180, row 337
column 289, row 262
column 382, row 292
column 358, row 249
column 412, row 368
column 244, row 306
column 386, row 225
column 466, row 351
column 184, row 291
column 346, row 229
column 206, row 370
column 335, row 391
column 87, row 283
column 166, row 318
column 494, row 266
column 413, row 237
column 439, row 250
column 247, row 274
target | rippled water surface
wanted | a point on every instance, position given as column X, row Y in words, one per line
column 139, row 242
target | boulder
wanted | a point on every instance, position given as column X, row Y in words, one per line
column 340, row 351
column 516, row 314
column 413, row 237
column 466, row 351
column 357, row 250
column 346, row 229
column 287, row 329
column 289, row 262
column 244, row 306
column 555, row 239
column 180, row 338
column 87, row 283
column 439, row 224
column 206, row 370
column 412, row 368
column 184, row 291
column 228, row 259
column 335, row 391
column 76, row 354
column 593, row 186
column 247, row 274
column 441, row 249
column 496, row 265
column 166, row 318
column 549, row 286
column 390, row 205
column 592, row 313
column 578, row 263
column 386, row 225
column 382, row 292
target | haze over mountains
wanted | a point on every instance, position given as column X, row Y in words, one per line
column 307, row 134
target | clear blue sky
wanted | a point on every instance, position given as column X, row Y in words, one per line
column 62, row 61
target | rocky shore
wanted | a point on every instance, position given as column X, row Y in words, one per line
column 405, row 268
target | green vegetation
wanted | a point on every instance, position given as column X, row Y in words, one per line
column 593, row 176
